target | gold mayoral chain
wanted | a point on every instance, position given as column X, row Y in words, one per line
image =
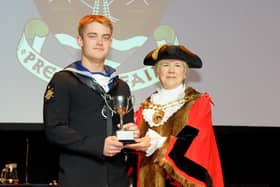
column 159, row 109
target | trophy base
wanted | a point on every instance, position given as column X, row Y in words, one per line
column 127, row 137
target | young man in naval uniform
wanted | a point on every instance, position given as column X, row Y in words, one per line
column 77, row 118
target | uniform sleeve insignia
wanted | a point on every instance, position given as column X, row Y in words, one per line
column 49, row 93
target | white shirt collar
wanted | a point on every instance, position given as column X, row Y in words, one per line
column 163, row 96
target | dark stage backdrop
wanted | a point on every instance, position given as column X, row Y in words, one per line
column 238, row 42
column 248, row 155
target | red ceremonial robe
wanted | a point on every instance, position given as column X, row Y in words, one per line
column 189, row 156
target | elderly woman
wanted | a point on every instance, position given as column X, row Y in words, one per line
column 178, row 147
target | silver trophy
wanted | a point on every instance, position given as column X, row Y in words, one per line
column 121, row 105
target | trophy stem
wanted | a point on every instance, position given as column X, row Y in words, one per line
column 121, row 121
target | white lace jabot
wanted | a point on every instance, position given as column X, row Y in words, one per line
column 162, row 97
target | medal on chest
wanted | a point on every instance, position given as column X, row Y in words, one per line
column 158, row 116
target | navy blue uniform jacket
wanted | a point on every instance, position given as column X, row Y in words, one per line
column 73, row 122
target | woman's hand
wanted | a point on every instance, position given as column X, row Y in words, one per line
column 142, row 144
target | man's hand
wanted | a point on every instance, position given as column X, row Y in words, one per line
column 112, row 146
column 132, row 127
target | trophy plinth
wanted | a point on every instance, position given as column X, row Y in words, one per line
column 125, row 136
column 122, row 105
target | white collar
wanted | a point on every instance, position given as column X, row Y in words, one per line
column 163, row 96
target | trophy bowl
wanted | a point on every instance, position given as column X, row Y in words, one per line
column 121, row 105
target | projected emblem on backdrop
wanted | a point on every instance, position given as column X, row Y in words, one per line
column 135, row 23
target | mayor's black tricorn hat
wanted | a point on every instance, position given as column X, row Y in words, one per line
column 173, row 52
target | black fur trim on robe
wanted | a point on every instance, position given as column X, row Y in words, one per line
column 184, row 140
